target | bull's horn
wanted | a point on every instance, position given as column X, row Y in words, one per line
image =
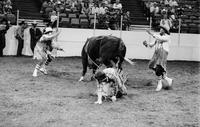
column 129, row 61
column 81, row 79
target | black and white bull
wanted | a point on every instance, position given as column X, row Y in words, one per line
column 107, row 50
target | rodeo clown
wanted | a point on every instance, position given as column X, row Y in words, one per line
column 43, row 50
column 110, row 84
column 159, row 59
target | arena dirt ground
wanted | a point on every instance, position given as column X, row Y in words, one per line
column 59, row 100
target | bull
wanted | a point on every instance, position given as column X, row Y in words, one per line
column 107, row 50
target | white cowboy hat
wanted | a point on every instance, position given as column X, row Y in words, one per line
column 47, row 30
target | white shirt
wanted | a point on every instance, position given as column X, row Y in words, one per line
column 95, row 10
column 162, row 41
column 166, row 22
column 117, row 6
column 102, row 10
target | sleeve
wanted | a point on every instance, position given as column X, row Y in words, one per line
column 161, row 38
column 152, row 43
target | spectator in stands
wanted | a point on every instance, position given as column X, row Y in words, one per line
column 53, row 16
column 53, row 19
column 86, row 10
column 35, row 34
column 117, row 5
column 165, row 21
column 51, row 4
column 127, row 21
column 103, row 9
column 20, row 37
column 95, row 9
column 73, row 5
column 59, row 7
column 44, row 6
column 4, row 26
column 152, row 9
column 79, row 6
column 108, row 4
column 166, row 2
column 7, row 9
column 173, row 3
column 91, row 4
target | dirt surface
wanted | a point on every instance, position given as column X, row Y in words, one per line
column 59, row 100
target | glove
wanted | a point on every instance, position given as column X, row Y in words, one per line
column 145, row 43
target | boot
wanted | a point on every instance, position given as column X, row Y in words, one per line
column 43, row 70
column 37, row 67
column 159, row 86
column 169, row 81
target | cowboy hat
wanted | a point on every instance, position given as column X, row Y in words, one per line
column 165, row 28
column 47, row 30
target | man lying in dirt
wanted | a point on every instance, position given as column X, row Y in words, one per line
column 110, row 84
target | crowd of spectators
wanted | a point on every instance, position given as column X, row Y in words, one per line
column 165, row 12
column 5, row 7
column 108, row 12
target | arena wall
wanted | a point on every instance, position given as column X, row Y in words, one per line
column 72, row 41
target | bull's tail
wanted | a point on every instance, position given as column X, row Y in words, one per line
column 128, row 60
column 84, row 59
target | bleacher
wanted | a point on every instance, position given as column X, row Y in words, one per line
column 187, row 11
column 6, row 12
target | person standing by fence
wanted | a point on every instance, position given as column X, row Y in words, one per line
column 4, row 26
column 20, row 37
column 35, row 34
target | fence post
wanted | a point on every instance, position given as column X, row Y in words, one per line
column 58, row 16
column 179, row 31
column 17, row 17
column 121, row 23
column 95, row 18
column 150, row 25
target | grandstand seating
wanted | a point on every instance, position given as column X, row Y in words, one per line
column 190, row 18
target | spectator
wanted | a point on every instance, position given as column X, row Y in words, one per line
column 7, row 9
column 79, row 6
column 85, row 9
column 173, row 3
column 95, row 9
column 53, row 16
column 165, row 21
column 20, row 37
column 4, row 26
column 35, row 34
column 91, row 4
column 59, row 7
column 103, row 9
column 44, row 6
column 166, row 2
column 108, row 4
column 127, row 21
column 117, row 5
column 73, row 5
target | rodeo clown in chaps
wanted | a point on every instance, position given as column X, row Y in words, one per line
column 110, row 84
column 159, row 59
column 44, row 49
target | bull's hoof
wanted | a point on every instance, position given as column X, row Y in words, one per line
column 92, row 78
